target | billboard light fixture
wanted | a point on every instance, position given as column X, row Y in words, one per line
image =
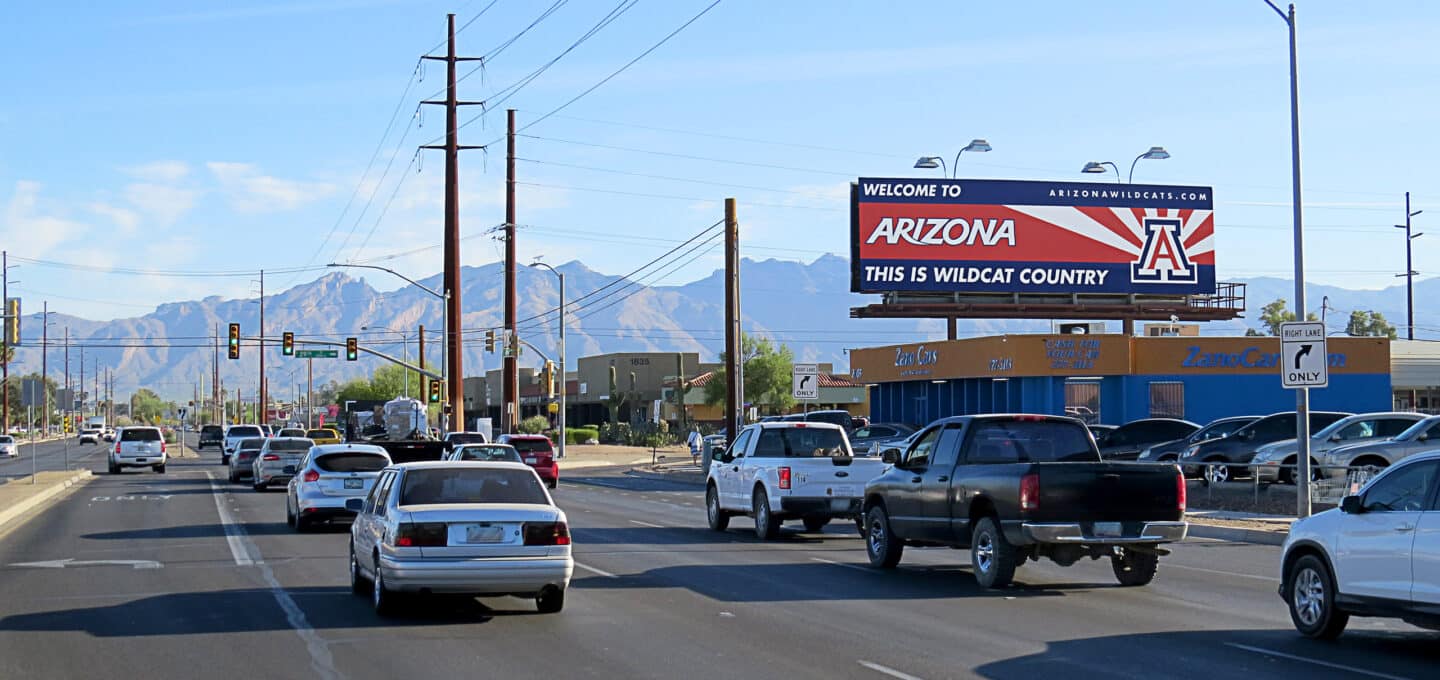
column 928, row 162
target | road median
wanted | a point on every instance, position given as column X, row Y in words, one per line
column 20, row 498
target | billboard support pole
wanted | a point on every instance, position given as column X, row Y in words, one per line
column 951, row 331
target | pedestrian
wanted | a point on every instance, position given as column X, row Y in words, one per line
column 696, row 443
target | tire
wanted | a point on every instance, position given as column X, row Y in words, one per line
column 816, row 524
column 289, row 516
column 1215, row 473
column 719, row 519
column 234, row 478
column 258, row 486
column 160, row 469
column 1134, row 568
column 385, row 602
column 551, row 601
column 302, row 525
column 991, row 556
column 1312, row 600
column 555, row 484
column 767, row 525
column 224, row 460
column 114, row 469
column 882, row 546
column 358, row 584
column 860, row 525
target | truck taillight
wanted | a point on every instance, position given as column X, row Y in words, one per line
column 162, row 446
column 1180, row 492
column 311, row 476
column 1030, row 492
column 547, row 533
column 784, row 477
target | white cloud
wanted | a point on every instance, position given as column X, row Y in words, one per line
column 164, row 204
column 27, row 229
column 168, row 172
column 253, row 192
column 125, row 219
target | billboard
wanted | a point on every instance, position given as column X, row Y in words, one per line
column 1010, row 236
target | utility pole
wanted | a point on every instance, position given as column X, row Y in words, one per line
column 82, row 381
column 1409, row 270
column 69, row 406
column 733, row 377
column 5, row 342
column 215, row 393
column 420, row 338
column 45, row 366
column 510, row 412
column 455, row 373
column 263, row 402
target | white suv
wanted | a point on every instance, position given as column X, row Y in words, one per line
column 138, row 447
column 1378, row 554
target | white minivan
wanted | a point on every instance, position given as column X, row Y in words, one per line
column 138, row 447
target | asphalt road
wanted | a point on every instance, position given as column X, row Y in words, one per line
column 52, row 456
column 189, row 576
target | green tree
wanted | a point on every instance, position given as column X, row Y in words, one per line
column 1275, row 313
column 16, row 396
column 358, row 389
column 766, row 368
column 147, row 407
column 1370, row 323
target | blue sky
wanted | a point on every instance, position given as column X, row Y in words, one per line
column 226, row 137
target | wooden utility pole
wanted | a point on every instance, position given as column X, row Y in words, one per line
column 454, row 371
column 510, row 412
column 262, row 394
column 734, row 394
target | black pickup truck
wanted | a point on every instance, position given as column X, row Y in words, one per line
column 1018, row 487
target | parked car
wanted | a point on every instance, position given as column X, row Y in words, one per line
column 211, row 435
column 485, row 453
column 1423, row 435
column 1220, row 460
column 1272, row 460
column 834, row 416
column 242, row 460
column 1096, row 429
column 1169, row 452
column 1378, row 554
column 322, row 436
column 8, row 448
column 233, row 435
column 536, row 451
column 279, row 458
column 776, row 472
column 291, row 432
column 460, row 528
column 864, row 438
column 1129, row 440
column 328, row 476
column 139, row 447
column 1016, row 487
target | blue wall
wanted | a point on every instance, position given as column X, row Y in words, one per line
column 1208, row 397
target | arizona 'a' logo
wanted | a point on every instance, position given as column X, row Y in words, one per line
column 1163, row 259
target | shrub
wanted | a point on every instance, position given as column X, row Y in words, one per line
column 615, row 433
column 534, row 425
column 580, row 435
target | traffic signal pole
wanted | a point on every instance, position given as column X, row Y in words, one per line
column 510, row 375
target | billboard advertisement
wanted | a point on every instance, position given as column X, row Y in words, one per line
column 1010, row 236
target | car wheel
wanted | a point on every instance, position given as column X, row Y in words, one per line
column 257, row 485
column 860, row 525
column 992, row 557
column 814, row 524
column 1312, row 600
column 551, row 601
column 386, row 603
column 554, row 483
column 289, row 515
column 160, row 468
column 1134, row 568
column 357, row 580
column 1216, row 473
column 767, row 525
column 881, row 546
column 302, row 524
column 719, row 519
column 114, row 469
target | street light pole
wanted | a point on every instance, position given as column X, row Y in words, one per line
column 563, row 383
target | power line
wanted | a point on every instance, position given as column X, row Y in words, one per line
column 676, row 198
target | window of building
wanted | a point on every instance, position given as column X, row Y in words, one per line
column 1167, row 400
column 1082, row 400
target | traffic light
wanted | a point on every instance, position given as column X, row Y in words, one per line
column 490, row 341
column 12, row 321
column 67, row 424
column 352, row 349
column 287, row 344
column 434, row 391
column 547, row 379
column 234, row 351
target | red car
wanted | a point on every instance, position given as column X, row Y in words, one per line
column 536, row 451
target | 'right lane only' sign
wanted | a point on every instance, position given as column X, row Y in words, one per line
column 1303, row 359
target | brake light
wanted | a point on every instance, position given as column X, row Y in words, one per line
column 1180, row 492
column 162, row 446
column 311, row 476
column 547, row 533
column 784, row 477
column 1030, row 492
column 270, row 456
column 799, row 425
column 421, row 535
column 117, row 448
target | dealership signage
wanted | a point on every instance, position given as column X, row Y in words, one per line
column 1030, row 237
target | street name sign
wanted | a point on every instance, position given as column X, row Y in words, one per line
column 805, row 381
column 1304, row 362
column 317, row 354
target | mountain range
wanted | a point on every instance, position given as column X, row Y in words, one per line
column 805, row 306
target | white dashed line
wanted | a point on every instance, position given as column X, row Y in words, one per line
column 234, row 535
column 1317, row 662
column 842, row 564
column 593, row 570
column 886, row 670
column 647, row 524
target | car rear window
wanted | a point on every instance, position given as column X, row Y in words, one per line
column 290, row 445
column 466, row 438
column 211, row 429
column 319, row 434
column 471, row 485
column 531, row 445
column 489, row 452
column 291, row 433
column 801, row 442
column 244, row 431
column 834, row 418
column 1030, row 441
column 139, row 434
column 352, row 461
column 253, row 444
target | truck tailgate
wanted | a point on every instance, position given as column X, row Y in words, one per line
column 1113, row 492
column 821, row 477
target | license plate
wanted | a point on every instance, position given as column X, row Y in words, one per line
column 476, row 533
column 530, row 460
column 289, row 470
column 842, row 491
column 354, row 483
column 1108, row 529
column 839, row 504
column 139, row 460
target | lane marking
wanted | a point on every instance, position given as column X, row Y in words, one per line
column 843, row 564
column 647, row 524
column 593, row 570
column 72, row 562
column 1268, row 579
column 886, row 670
column 234, row 534
column 1317, row 662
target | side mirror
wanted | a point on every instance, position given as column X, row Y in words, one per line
column 1351, row 505
column 1334, row 437
column 354, row 504
column 890, row 456
column 1424, row 437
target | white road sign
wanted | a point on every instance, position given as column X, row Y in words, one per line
column 1304, row 361
column 805, row 381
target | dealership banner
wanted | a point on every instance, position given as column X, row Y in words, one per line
column 1009, row 236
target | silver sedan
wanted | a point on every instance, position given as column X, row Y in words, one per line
column 328, row 476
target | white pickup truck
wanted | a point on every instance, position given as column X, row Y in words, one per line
column 788, row 470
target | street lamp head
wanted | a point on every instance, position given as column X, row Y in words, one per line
column 1093, row 168
column 1156, row 153
column 928, row 162
column 977, row 145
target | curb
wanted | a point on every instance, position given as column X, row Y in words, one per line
column 1237, row 535
column 39, row 499
column 679, row 478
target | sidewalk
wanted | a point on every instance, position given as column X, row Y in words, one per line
column 19, row 498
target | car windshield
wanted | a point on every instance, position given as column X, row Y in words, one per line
column 6, row 439
column 290, row 444
column 139, row 434
column 352, row 461
column 1219, row 429
column 320, row 434
column 802, row 442
column 292, row 433
column 433, row 486
column 211, row 429
column 244, row 431
column 1415, row 430
column 1034, row 441
column 531, row 445
column 489, row 452
column 1338, row 425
